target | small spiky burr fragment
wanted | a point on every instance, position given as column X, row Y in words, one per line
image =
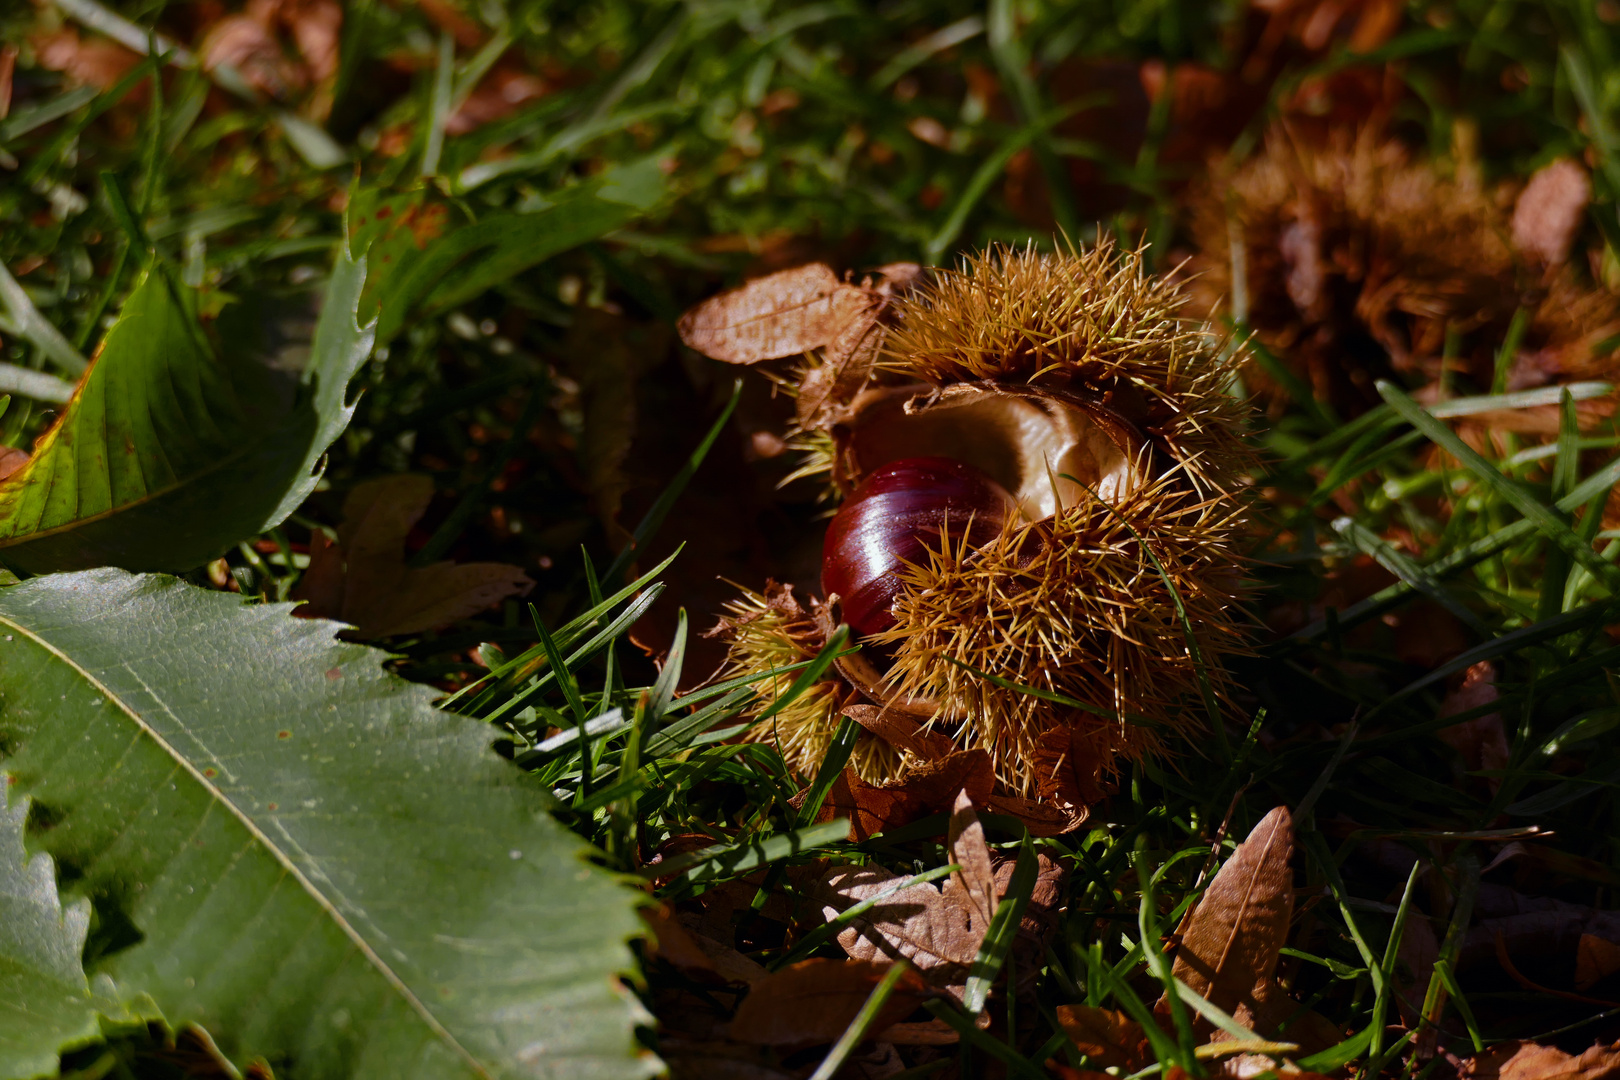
column 1357, row 260
column 1104, row 574
column 770, row 632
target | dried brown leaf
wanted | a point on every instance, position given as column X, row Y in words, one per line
column 363, row 578
column 1232, row 940
column 8, row 65
column 499, row 94
column 727, row 962
column 782, row 314
column 814, row 1001
column 1596, row 959
column 977, row 877
column 1516, row 1060
column 1482, row 741
column 1550, row 211
column 920, row 1033
column 897, row 279
column 1040, row 818
column 608, row 355
column 1108, row 1037
column 94, row 62
column 11, row 459
column 1532, row 930
column 671, row 942
column 1418, row 951
column 248, row 45
column 922, row 924
column 827, row 388
column 899, row 728
column 928, row 789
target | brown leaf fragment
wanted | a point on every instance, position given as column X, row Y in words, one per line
column 1108, row 1037
column 94, row 62
column 1040, row 818
column 814, row 1001
column 782, row 314
column 1596, row 959
column 608, row 355
column 899, row 728
column 920, row 1033
column 977, row 878
column 1550, row 210
column 727, row 962
column 898, row 278
column 671, row 942
column 1533, row 931
column 1419, row 949
column 826, row 389
column 1041, row 915
column 1482, row 740
column 8, row 65
column 1232, row 940
column 502, row 92
column 707, row 1059
column 1517, row 1060
column 317, row 28
column 920, row 923
column 929, row 788
column 11, row 459
column 248, row 45
column 363, row 578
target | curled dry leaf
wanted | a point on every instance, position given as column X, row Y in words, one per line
column 1516, row 1060
column 317, row 28
column 849, row 358
column 1550, row 209
column 782, row 314
column 362, row 579
column 814, row 1001
column 1419, row 949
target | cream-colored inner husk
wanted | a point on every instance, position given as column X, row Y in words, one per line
column 1028, row 444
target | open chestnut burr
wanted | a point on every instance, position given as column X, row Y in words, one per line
column 1040, row 472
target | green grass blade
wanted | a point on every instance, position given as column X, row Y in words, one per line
column 1509, row 490
column 1003, row 930
column 832, row 766
column 648, row 526
column 864, row 1019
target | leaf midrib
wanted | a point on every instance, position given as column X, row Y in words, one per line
column 17, row 539
column 366, row 950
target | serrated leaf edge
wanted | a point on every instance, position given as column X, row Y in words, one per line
column 259, row 834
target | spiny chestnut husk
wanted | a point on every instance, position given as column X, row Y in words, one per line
column 1037, row 463
column 1357, row 261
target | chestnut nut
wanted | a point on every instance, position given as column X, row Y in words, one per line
column 897, row 514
